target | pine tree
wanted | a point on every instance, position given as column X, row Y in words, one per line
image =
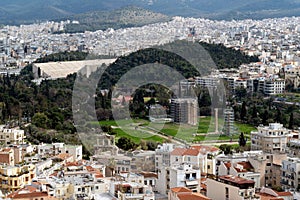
column 242, row 140
column 291, row 122
column 243, row 111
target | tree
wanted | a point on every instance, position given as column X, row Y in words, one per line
column 254, row 111
column 243, row 111
column 40, row 120
column 227, row 149
column 265, row 117
column 151, row 145
column 278, row 117
column 291, row 122
column 126, row 143
column 242, row 140
column 241, row 92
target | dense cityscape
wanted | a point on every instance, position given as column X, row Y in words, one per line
column 246, row 148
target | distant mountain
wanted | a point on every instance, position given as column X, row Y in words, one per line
column 20, row 11
column 120, row 18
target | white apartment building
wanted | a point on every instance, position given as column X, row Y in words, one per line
column 201, row 156
column 11, row 135
column 230, row 187
column 274, row 86
column 124, row 190
column 183, row 175
column 270, row 139
column 207, row 81
column 290, row 174
column 162, row 155
column 58, row 148
column 242, row 169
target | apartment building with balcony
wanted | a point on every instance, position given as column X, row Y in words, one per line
column 207, row 81
column 230, row 187
column 11, row 135
column 13, row 178
column 49, row 150
column 162, row 155
column 242, row 169
column 274, row 86
column 183, row 175
column 124, row 190
column 290, row 177
column 270, row 139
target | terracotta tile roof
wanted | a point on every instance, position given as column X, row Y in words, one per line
column 180, row 189
column 205, row 148
column 63, row 156
column 97, row 173
column 191, row 152
column 178, row 151
column 284, row 194
column 185, row 152
column 264, row 196
column 236, row 179
column 192, row 196
column 246, row 167
column 76, row 164
column 17, row 195
column 149, row 174
column 27, row 192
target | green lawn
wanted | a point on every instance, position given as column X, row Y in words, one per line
column 137, row 140
column 206, row 124
column 126, row 128
column 246, row 128
column 215, row 137
column 137, row 130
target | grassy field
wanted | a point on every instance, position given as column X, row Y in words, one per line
column 126, row 128
column 137, row 130
column 246, row 128
column 206, row 125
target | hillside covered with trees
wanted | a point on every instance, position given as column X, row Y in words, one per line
column 49, row 105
